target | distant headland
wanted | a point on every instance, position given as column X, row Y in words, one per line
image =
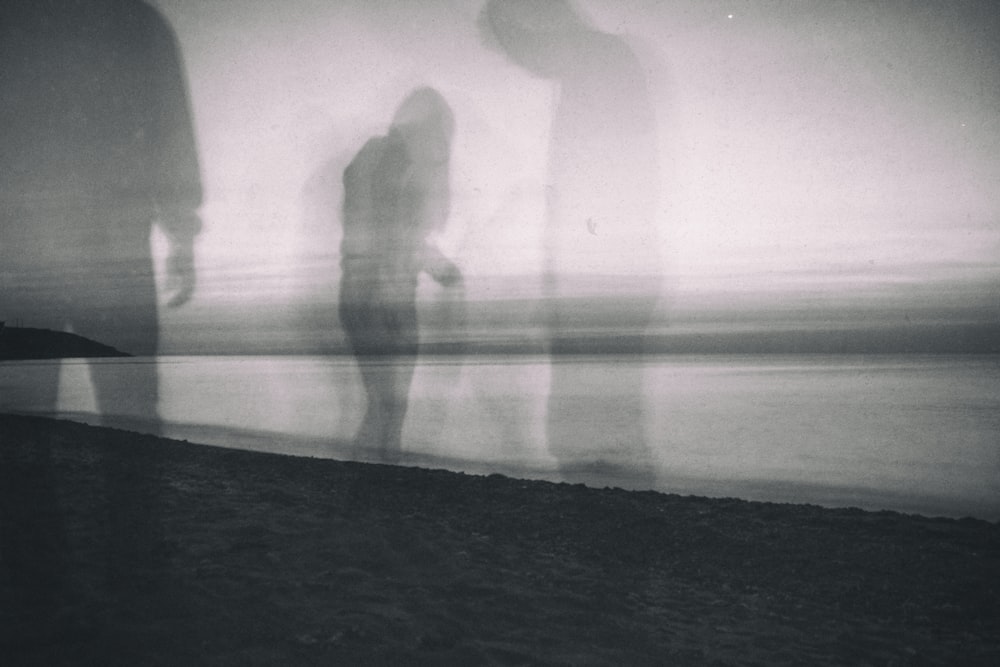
column 17, row 343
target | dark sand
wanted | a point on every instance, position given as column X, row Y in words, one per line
column 271, row 560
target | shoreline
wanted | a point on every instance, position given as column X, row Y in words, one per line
column 760, row 488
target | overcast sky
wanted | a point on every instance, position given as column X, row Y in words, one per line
column 808, row 145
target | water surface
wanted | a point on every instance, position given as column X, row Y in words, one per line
column 911, row 433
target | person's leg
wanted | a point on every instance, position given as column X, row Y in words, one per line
column 127, row 393
column 34, row 550
column 399, row 374
column 384, row 339
column 361, row 321
column 599, row 422
column 29, row 298
column 371, row 432
column 405, row 345
column 387, row 383
column 32, row 532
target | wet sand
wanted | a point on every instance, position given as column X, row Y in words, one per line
column 262, row 559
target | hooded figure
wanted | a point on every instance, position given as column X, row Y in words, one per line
column 396, row 194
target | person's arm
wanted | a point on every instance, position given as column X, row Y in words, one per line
column 177, row 189
column 432, row 217
column 181, row 276
column 444, row 271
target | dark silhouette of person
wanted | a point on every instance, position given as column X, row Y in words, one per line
column 96, row 146
column 396, row 193
column 601, row 238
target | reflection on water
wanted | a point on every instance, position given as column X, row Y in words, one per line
column 901, row 432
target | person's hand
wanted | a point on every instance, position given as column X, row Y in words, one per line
column 440, row 268
column 444, row 272
column 180, row 280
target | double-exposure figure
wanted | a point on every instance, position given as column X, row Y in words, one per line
column 96, row 146
column 602, row 270
column 396, row 194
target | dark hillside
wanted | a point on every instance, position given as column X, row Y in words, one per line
column 28, row 343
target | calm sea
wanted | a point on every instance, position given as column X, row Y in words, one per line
column 910, row 433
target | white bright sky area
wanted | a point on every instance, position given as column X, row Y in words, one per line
column 827, row 144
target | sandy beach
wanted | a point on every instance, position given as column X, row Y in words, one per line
column 243, row 558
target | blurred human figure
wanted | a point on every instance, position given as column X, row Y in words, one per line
column 396, row 194
column 601, row 264
column 96, row 145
